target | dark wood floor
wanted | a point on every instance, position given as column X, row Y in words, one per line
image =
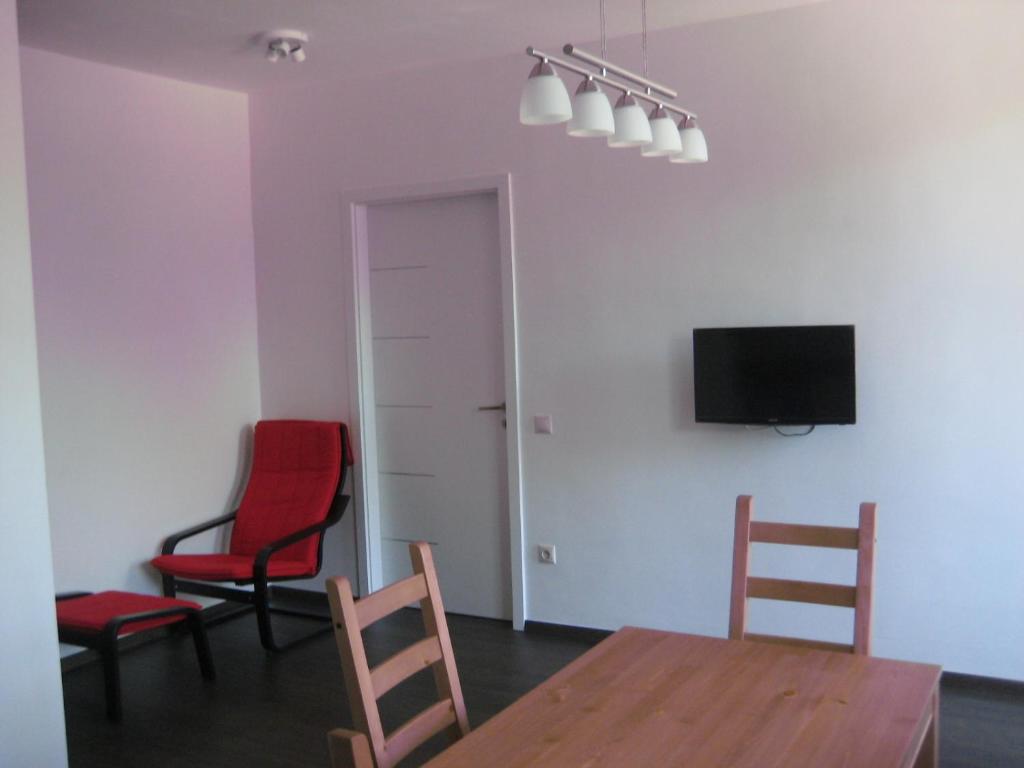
column 274, row 710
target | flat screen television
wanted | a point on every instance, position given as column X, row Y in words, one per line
column 775, row 375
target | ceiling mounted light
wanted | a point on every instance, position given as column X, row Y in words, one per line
column 694, row 147
column 631, row 126
column 544, row 100
column 664, row 135
column 591, row 112
column 286, row 44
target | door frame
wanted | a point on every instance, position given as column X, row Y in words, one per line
column 359, row 355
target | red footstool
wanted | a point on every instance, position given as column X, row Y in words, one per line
column 96, row 621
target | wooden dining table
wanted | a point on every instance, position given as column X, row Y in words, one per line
column 645, row 697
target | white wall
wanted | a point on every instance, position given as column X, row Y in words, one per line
column 31, row 705
column 143, row 253
column 865, row 169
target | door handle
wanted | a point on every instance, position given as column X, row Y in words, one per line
column 498, row 407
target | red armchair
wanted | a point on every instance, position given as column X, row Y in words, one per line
column 292, row 498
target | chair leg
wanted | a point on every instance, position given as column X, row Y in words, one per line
column 202, row 643
column 264, row 612
column 261, row 595
column 111, row 675
column 349, row 749
column 928, row 755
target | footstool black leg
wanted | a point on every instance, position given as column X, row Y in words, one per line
column 195, row 623
column 111, row 673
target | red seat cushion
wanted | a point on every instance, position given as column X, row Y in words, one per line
column 227, row 567
column 91, row 613
column 296, row 466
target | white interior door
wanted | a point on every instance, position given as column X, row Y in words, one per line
column 438, row 358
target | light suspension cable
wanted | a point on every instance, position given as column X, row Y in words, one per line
column 643, row 32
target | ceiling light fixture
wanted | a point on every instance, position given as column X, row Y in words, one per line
column 286, row 44
column 545, row 101
column 665, row 138
column 591, row 112
column 694, row 145
column 631, row 126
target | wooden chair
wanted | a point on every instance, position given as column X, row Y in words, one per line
column 367, row 746
column 857, row 597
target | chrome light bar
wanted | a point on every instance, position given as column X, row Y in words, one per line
column 646, row 89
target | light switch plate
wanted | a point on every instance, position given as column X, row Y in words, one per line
column 543, row 425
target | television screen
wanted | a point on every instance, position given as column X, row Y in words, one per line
column 782, row 375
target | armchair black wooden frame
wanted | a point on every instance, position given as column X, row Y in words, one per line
column 261, row 596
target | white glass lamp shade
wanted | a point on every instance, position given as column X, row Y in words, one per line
column 631, row 126
column 664, row 135
column 591, row 112
column 694, row 146
column 544, row 100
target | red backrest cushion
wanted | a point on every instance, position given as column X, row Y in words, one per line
column 295, row 471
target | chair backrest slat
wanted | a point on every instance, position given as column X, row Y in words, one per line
column 414, row 732
column 386, row 601
column 802, row 591
column 805, row 535
column 404, row 665
column 857, row 597
column 820, row 645
column 366, row 685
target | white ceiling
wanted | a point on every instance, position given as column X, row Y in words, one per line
column 217, row 42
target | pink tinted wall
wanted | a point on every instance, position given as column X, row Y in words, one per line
column 30, row 674
column 140, row 205
column 865, row 169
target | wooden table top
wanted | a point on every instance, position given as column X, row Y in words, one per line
column 644, row 697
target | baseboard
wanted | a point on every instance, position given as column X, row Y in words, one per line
column 309, row 597
column 960, row 681
column 568, row 631
column 221, row 612
column 985, row 686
